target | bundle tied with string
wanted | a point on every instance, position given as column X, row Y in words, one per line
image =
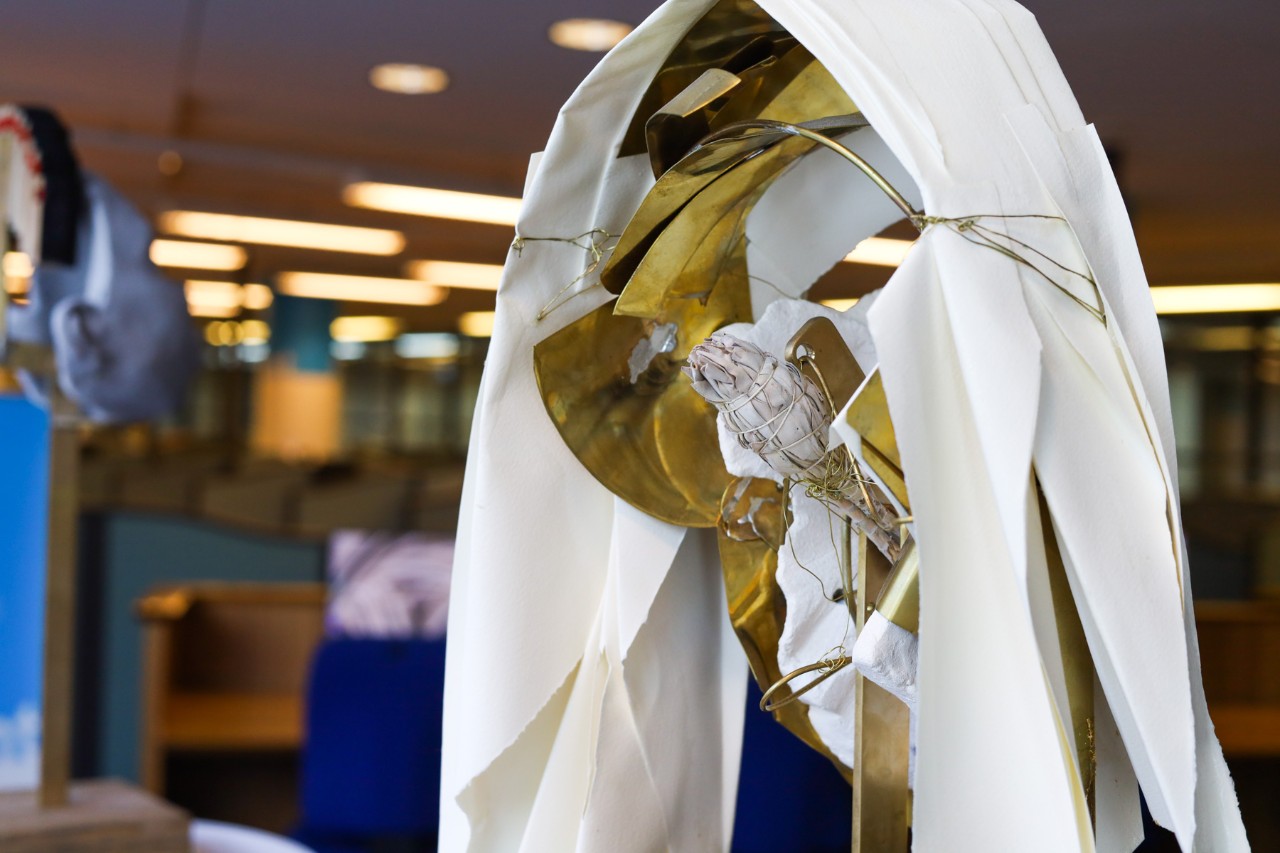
column 782, row 416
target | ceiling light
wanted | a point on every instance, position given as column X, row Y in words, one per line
column 363, row 330
column 1216, row 298
column 197, row 256
column 456, row 274
column 257, row 297
column 476, row 324
column 427, row 345
column 255, row 332
column 359, row 288
column 407, row 79
column 880, row 251
column 18, row 265
column 213, row 298
column 592, row 34
column 282, row 232
column 223, row 333
column 440, row 204
column 840, row 304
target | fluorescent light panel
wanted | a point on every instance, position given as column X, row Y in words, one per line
column 213, row 298
column 880, row 251
column 457, row 274
column 363, row 330
column 282, row 232
column 1216, row 298
column 257, row 297
column 439, row 204
column 476, row 324
column 359, row 288
column 197, row 256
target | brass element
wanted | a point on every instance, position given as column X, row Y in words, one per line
column 751, row 529
column 881, row 746
column 1077, row 662
column 881, row 740
column 610, row 380
column 686, row 231
column 868, row 414
column 677, row 127
column 785, row 87
column 899, row 597
column 818, row 342
column 614, row 390
column 816, row 135
column 733, row 35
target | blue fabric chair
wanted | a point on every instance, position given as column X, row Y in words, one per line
column 371, row 765
column 790, row 798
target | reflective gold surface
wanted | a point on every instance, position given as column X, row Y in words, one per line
column 613, row 388
column 751, row 528
column 733, row 35
column 819, row 350
column 881, row 739
column 899, row 597
column 868, row 414
column 610, row 380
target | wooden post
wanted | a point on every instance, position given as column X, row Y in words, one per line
column 60, row 600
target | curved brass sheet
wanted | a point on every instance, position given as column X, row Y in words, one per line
column 733, row 35
column 751, row 526
column 639, row 427
column 899, row 598
column 795, row 88
column 790, row 87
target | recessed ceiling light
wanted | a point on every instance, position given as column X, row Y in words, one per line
column 405, row 78
column 428, row 201
column 593, row 34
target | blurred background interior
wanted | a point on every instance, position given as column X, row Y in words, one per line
column 344, row 332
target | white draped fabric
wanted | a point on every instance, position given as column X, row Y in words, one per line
column 594, row 692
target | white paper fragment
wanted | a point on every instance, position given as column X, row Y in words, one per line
column 888, row 654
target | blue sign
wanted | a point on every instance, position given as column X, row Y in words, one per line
column 24, row 518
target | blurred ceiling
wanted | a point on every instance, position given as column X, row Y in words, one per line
column 270, row 106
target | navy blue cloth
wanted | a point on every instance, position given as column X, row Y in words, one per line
column 790, row 798
column 371, row 764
